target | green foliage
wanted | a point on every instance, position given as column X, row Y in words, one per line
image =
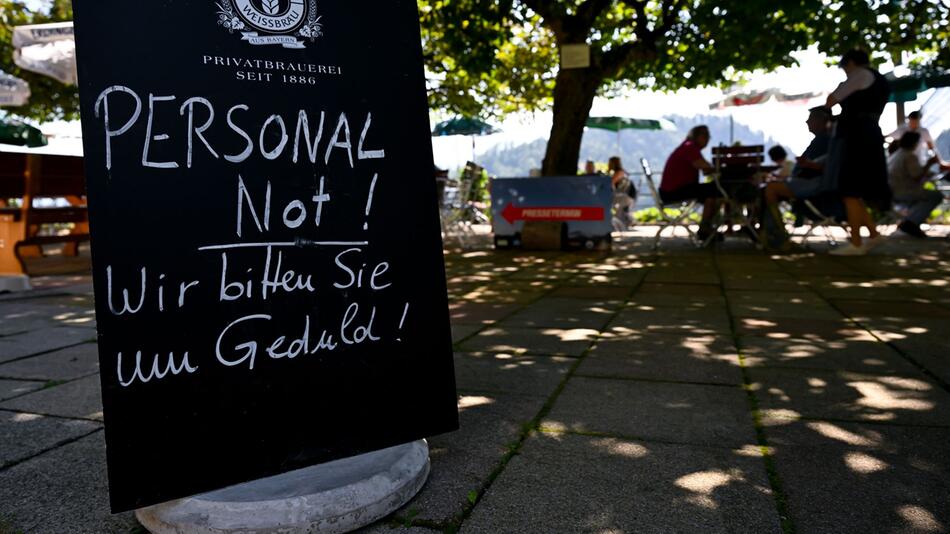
column 652, row 215
column 491, row 57
column 49, row 98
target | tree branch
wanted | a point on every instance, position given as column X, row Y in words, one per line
column 588, row 12
column 554, row 16
column 614, row 60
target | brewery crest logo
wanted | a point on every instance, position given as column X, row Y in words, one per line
column 287, row 23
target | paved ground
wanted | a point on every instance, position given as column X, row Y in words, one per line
column 679, row 391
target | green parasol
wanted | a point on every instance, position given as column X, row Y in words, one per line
column 463, row 126
column 618, row 124
column 14, row 132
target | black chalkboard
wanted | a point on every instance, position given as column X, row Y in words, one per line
column 270, row 288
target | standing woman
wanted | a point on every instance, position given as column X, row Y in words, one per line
column 856, row 158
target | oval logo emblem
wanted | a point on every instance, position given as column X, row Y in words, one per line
column 272, row 16
column 288, row 23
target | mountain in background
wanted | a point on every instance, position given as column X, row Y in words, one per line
column 600, row 145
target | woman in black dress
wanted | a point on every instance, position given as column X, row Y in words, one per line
column 856, row 157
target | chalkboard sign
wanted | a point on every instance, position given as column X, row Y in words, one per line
column 270, row 288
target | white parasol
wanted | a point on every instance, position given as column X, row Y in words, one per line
column 13, row 91
column 47, row 49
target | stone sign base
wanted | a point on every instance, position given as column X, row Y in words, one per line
column 14, row 282
column 338, row 496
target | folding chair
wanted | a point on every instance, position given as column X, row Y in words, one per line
column 455, row 208
column 823, row 212
column 667, row 220
column 736, row 167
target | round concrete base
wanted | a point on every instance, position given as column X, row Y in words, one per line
column 338, row 496
column 14, row 282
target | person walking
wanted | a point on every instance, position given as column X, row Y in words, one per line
column 856, row 158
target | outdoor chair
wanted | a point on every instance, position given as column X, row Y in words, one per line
column 736, row 167
column 456, row 209
column 821, row 213
column 666, row 219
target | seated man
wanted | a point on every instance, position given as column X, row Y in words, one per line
column 906, row 176
column 681, row 178
column 805, row 179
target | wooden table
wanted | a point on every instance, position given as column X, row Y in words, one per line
column 24, row 228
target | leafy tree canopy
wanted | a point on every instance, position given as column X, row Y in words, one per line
column 49, row 98
column 491, row 57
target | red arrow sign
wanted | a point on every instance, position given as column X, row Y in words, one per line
column 513, row 213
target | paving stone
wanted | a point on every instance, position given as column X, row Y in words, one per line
column 461, row 312
column 845, row 477
column 707, row 359
column 852, row 396
column 877, row 308
column 462, row 331
column 768, row 281
column 680, row 413
column 680, row 289
column 928, row 351
column 387, row 526
column 80, row 398
column 697, row 277
column 463, row 461
column 14, row 388
column 552, row 341
column 798, row 328
column 858, row 356
column 30, row 314
column 627, row 278
column 64, row 490
column 668, row 320
column 604, row 292
column 858, row 292
column 23, row 435
column 508, row 373
column 581, row 484
column 564, row 313
column 786, row 310
column 44, row 340
column 65, row 364
column 767, row 298
column 652, row 301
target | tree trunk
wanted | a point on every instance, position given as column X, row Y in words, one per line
column 574, row 92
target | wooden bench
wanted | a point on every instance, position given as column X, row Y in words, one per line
column 25, row 228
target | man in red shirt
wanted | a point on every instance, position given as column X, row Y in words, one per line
column 681, row 177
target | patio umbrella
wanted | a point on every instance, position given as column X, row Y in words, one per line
column 618, row 124
column 13, row 91
column 751, row 98
column 464, row 126
column 13, row 132
column 48, row 49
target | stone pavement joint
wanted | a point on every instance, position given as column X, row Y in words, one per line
column 775, row 480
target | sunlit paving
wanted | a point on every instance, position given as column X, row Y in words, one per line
column 661, row 375
column 462, row 267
